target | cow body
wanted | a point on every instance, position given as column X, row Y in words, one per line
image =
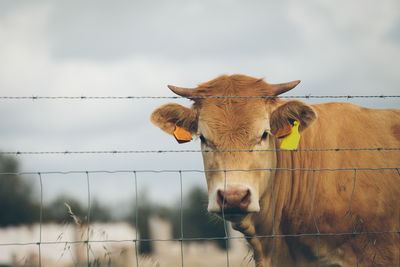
column 298, row 208
column 374, row 194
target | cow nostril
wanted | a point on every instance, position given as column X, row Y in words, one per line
column 221, row 197
column 247, row 196
column 244, row 203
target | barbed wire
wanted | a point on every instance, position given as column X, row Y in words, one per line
column 134, row 171
column 67, row 152
column 193, row 97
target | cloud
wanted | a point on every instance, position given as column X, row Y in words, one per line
column 24, row 49
column 174, row 29
column 348, row 44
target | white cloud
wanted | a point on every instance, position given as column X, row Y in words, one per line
column 347, row 41
column 24, row 50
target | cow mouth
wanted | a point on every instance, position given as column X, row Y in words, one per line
column 232, row 211
column 232, row 215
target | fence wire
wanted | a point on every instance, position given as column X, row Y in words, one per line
column 40, row 218
column 17, row 153
column 88, row 219
column 192, row 97
column 136, row 220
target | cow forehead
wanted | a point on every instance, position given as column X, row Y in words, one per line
column 237, row 118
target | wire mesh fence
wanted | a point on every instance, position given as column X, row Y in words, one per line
column 181, row 173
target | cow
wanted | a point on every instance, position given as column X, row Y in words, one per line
column 333, row 200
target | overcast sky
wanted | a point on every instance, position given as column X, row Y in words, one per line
column 136, row 48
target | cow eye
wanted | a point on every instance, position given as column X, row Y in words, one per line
column 202, row 139
column 264, row 136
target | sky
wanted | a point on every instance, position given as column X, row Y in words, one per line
column 136, row 48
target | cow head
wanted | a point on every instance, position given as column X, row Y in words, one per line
column 229, row 128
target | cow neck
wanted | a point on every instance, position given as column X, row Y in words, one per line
column 293, row 188
column 249, row 229
column 256, row 225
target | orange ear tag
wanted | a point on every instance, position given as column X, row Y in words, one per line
column 182, row 135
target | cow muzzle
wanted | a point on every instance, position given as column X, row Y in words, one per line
column 234, row 200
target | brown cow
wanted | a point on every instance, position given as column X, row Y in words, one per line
column 295, row 207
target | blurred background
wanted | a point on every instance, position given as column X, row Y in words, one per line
column 136, row 48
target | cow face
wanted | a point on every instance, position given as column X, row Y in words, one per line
column 235, row 135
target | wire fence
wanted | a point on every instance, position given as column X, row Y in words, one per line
column 136, row 174
column 181, row 173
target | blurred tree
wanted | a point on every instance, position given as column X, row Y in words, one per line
column 17, row 205
column 99, row 213
column 65, row 209
column 197, row 222
column 144, row 211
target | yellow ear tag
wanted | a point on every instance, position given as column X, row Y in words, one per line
column 291, row 141
column 181, row 135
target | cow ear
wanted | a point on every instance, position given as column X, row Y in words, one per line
column 167, row 117
column 292, row 111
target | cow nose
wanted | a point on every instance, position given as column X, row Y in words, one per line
column 234, row 200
